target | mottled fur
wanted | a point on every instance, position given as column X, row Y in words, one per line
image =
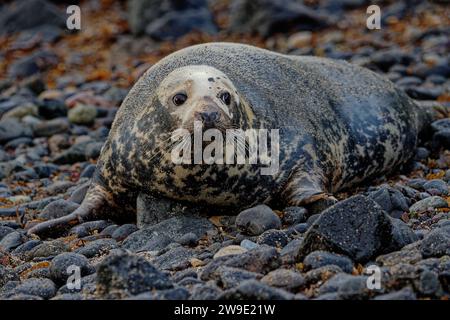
column 339, row 125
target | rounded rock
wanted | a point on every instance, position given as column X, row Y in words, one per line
column 64, row 264
column 256, row 220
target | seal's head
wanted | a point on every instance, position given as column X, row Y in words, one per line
column 200, row 93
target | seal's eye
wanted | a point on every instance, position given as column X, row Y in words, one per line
column 226, row 97
column 179, row 99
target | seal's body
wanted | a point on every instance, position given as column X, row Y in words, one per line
column 339, row 124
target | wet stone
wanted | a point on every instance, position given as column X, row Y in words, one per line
column 255, row 290
column 436, row 243
column 319, row 259
column 47, row 249
column 175, row 259
column 343, row 229
column 229, row 277
column 44, row 288
column 11, row 241
column 123, row 275
column 428, row 203
column 57, row 209
column 273, row 238
column 285, row 279
column 87, row 228
column 97, row 247
column 294, row 215
column 123, row 231
column 256, row 220
column 62, row 266
column 260, row 260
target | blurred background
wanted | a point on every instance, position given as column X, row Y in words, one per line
column 118, row 40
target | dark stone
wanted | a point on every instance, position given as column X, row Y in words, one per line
column 408, row 81
column 151, row 210
column 273, row 238
column 172, row 229
column 26, row 247
column 294, row 215
column 403, row 256
column 124, row 231
column 205, row 292
column 4, row 231
column 11, row 129
column 175, row 24
column 60, row 264
column 58, row 208
column 68, row 296
column 438, row 185
column 384, row 59
column 429, row 283
column 402, row 235
column 436, row 243
column 88, row 172
column 423, row 205
column 319, row 259
column 189, row 239
column 6, row 275
column 27, row 14
column 267, row 17
column 442, row 124
column 32, row 64
column 441, row 139
column 298, row 228
column 48, row 128
column 255, row 290
column 256, row 220
column 289, row 252
column 406, row 293
column 143, row 12
column 24, row 297
column 52, row 108
column 11, row 241
column 174, row 259
column 47, row 249
column 260, row 260
column 87, row 286
column 169, row 294
column 354, row 288
column 109, row 230
column 87, row 228
column 123, row 275
column 390, row 199
column 97, row 247
column 229, row 277
column 18, row 142
column 45, row 170
column 424, row 93
column 356, row 227
column 285, row 279
column 44, row 288
column 421, row 154
column 79, row 193
column 333, row 284
column 76, row 153
column 93, row 149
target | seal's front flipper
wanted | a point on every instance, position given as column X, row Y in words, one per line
column 303, row 189
column 90, row 209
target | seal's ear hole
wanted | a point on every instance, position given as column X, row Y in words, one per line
column 179, row 98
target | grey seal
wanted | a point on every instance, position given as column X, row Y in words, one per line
column 339, row 125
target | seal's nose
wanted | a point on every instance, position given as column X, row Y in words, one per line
column 209, row 117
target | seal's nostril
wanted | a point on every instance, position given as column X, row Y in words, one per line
column 209, row 116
